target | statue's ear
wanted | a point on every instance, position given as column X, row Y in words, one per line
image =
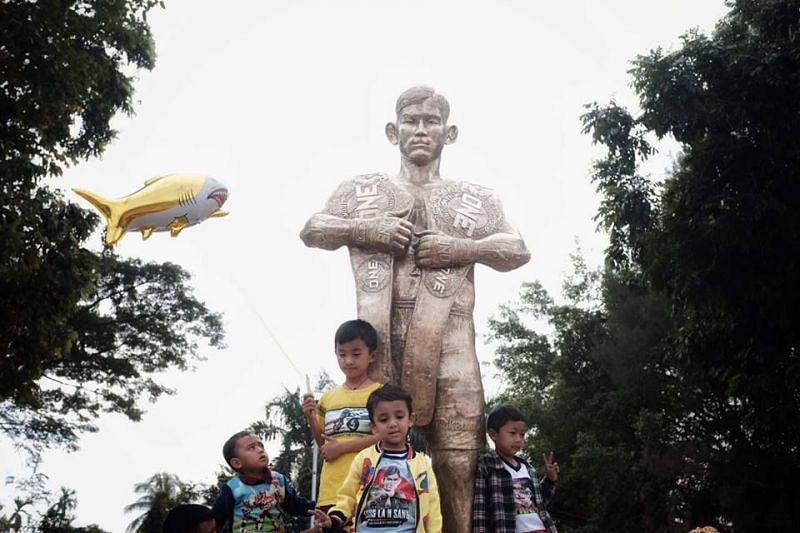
column 391, row 132
column 452, row 134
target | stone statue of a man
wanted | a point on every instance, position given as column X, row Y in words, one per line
column 414, row 239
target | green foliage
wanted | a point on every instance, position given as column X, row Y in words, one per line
column 209, row 493
column 160, row 493
column 286, row 421
column 32, row 494
column 723, row 249
column 63, row 71
column 626, row 208
column 673, row 400
column 596, row 391
column 59, row 517
column 80, row 332
column 131, row 321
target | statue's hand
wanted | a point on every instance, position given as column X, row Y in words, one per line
column 386, row 233
column 437, row 250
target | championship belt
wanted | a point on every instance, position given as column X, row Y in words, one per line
column 366, row 197
column 461, row 210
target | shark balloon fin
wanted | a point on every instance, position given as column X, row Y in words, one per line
column 177, row 225
column 218, row 213
column 152, row 180
column 146, row 232
column 110, row 209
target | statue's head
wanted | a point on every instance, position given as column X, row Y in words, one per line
column 421, row 129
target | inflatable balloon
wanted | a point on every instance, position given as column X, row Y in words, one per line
column 165, row 203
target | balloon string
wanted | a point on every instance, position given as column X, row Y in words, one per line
column 268, row 330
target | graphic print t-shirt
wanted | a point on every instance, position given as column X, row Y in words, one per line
column 391, row 502
column 256, row 506
column 342, row 414
column 524, row 502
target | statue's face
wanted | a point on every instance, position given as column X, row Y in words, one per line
column 421, row 132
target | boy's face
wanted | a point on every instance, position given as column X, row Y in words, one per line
column 391, row 482
column 508, row 440
column 391, row 422
column 249, row 455
column 354, row 358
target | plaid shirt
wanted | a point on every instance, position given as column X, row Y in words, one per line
column 493, row 508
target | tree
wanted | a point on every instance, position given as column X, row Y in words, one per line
column 14, row 521
column 595, row 388
column 208, row 493
column 81, row 332
column 717, row 240
column 31, row 494
column 286, row 421
column 59, row 517
column 159, row 494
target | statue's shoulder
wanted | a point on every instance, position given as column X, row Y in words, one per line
column 448, row 186
column 477, row 189
column 373, row 176
column 364, row 179
column 349, row 184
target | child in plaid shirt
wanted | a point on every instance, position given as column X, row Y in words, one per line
column 509, row 495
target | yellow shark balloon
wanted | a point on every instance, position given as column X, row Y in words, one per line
column 165, row 203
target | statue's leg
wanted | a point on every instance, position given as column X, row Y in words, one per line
column 456, row 434
column 401, row 317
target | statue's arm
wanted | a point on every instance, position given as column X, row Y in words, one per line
column 327, row 231
column 384, row 233
column 502, row 251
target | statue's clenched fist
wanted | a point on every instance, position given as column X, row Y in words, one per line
column 385, row 233
column 437, row 250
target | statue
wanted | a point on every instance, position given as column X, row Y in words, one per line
column 414, row 239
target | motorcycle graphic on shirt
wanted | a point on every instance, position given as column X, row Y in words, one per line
column 347, row 420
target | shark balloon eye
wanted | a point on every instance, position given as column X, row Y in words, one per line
column 165, row 203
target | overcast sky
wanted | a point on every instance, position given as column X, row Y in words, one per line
column 280, row 101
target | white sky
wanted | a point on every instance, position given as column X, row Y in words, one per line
column 280, row 101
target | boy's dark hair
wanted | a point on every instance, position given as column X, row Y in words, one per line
column 357, row 329
column 390, row 470
column 186, row 518
column 504, row 413
column 229, row 448
column 387, row 393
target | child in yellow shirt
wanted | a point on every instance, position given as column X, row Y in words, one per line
column 340, row 421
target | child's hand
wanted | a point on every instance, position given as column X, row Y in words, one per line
column 309, row 405
column 331, row 449
column 320, row 520
column 550, row 466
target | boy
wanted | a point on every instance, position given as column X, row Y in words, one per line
column 256, row 499
column 340, row 424
column 189, row 518
column 389, row 487
column 509, row 497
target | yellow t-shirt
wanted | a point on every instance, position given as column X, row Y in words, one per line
column 342, row 414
